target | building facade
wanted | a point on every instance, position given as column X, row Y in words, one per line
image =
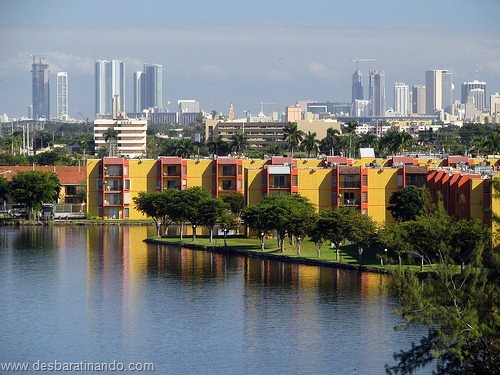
column 377, row 93
column 438, row 92
column 148, row 87
column 479, row 92
column 402, row 99
column 363, row 184
column 357, row 87
column 62, row 96
column 40, row 89
column 418, row 100
column 109, row 82
column 130, row 138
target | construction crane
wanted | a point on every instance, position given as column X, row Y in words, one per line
column 82, row 116
column 262, row 106
column 360, row 60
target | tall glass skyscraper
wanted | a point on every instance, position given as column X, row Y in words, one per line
column 377, row 92
column 41, row 89
column 62, row 96
column 438, row 91
column 148, row 87
column 109, row 81
column 357, row 87
column 478, row 90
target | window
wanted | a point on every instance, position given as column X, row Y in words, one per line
column 184, row 169
column 240, row 169
column 126, row 184
column 126, row 213
column 99, row 184
column 99, row 199
column 227, row 170
column 295, row 180
column 227, row 185
column 172, row 170
column 172, row 184
column 350, row 198
column 280, row 182
column 364, row 197
column 70, row 190
column 334, row 180
column 113, row 170
column 364, row 180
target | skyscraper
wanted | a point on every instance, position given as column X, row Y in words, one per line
column 377, row 92
column 62, row 96
column 41, row 89
column 479, row 93
column 418, row 100
column 148, row 87
column 438, row 91
column 401, row 99
column 357, row 87
column 109, row 81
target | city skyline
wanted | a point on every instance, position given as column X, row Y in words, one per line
column 222, row 53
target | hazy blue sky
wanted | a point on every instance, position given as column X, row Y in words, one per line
column 244, row 52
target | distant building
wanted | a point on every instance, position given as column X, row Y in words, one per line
column 41, row 89
column 438, row 93
column 361, row 108
column 131, row 136
column 148, row 87
column 357, row 87
column 402, row 99
column 495, row 104
column 188, row 106
column 293, row 113
column 377, row 92
column 479, row 93
column 62, row 96
column 109, row 81
column 418, row 100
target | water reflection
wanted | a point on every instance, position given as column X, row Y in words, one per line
column 100, row 293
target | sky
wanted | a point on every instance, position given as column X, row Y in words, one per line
column 245, row 52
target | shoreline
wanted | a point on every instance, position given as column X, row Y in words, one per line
column 269, row 256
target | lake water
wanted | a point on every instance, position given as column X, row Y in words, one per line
column 100, row 295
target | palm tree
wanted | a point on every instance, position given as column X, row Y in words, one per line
column 218, row 146
column 109, row 135
column 331, row 141
column 395, row 141
column 310, row 143
column 293, row 136
column 492, row 142
column 274, row 149
column 238, row 143
column 184, row 148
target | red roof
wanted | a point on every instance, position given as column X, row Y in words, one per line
column 67, row 175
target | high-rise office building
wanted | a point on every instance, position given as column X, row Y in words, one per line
column 479, row 93
column 402, row 99
column 418, row 100
column 109, row 81
column 148, row 87
column 357, row 87
column 377, row 92
column 438, row 92
column 137, row 92
column 41, row 89
column 62, row 96
column 495, row 104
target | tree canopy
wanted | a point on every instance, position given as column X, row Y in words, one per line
column 406, row 204
column 33, row 188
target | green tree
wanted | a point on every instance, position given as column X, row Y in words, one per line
column 184, row 148
column 4, row 188
column 187, row 208
column 334, row 224
column 227, row 222
column 492, row 142
column 238, row 143
column 111, row 134
column 236, row 202
column 158, row 205
column 210, row 210
column 362, row 230
column 293, row 136
column 310, row 143
column 259, row 219
column 331, row 141
column 34, row 188
column 218, row 146
column 406, row 204
column 317, row 234
column 459, row 304
column 395, row 141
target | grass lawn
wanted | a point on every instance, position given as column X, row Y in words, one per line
column 349, row 253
